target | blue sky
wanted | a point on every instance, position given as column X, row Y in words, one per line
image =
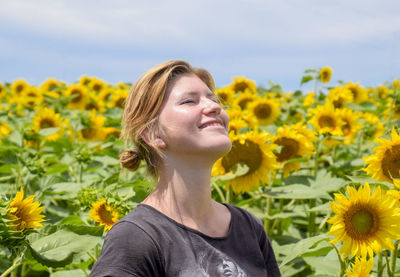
column 264, row 40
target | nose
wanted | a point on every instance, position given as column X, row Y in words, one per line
column 211, row 106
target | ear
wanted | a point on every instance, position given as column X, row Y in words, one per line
column 156, row 143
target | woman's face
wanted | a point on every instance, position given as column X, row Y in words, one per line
column 191, row 119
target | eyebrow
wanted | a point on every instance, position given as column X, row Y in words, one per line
column 210, row 94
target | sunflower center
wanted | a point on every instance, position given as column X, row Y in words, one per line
column 391, row 162
column 19, row 88
column 97, row 87
column 47, row 123
column 120, row 103
column 89, row 133
column 338, row 103
column 325, row 75
column 262, row 111
column 105, row 215
column 248, row 153
column 77, row 96
column 361, row 221
column 346, row 128
column 91, row 106
column 354, row 91
column 326, row 121
column 289, row 149
column 241, row 86
column 243, row 103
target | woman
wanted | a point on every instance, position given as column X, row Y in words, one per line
column 178, row 127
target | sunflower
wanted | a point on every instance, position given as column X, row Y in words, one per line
column 372, row 127
column 236, row 123
column 394, row 112
column 32, row 97
column 396, row 195
column 48, row 118
column 350, row 125
column 325, row 119
column 264, row 111
column 50, row 84
column 252, row 150
column 85, row 80
column 97, row 85
column 95, row 103
column 25, row 213
column 94, row 130
column 365, row 222
column 118, row 98
column 383, row 91
column 4, row 129
column 302, row 129
column 122, row 85
column 107, row 93
column 244, row 99
column 225, row 95
column 384, row 165
column 111, row 132
column 104, row 214
column 325, row 74
column 293, row 145
column 19, row 86
column 236, row 113
column 242, row 84
column 361, row 267
column 309, row 99
column 80, row 97
column 360, row 94
column 338, row 96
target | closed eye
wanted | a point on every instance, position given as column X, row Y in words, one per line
column 187, row 101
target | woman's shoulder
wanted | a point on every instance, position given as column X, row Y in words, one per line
column 244, row 217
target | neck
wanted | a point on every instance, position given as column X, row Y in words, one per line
column 184, row 190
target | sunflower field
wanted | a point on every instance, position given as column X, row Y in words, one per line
column 320, row 169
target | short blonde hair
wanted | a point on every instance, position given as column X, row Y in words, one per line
column 142, row 109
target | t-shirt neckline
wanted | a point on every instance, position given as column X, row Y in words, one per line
column 191, row 229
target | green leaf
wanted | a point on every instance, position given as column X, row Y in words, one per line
column 306, row 79
column 106, row 160
column 325, row 266
column 59, row 248
column 296, row 191
column 48, row 131
column 73, row 219
column 300, row 248
column 57, row 168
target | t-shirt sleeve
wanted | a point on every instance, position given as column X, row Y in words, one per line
column 128, row 251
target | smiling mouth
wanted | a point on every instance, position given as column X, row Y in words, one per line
column 213, row 124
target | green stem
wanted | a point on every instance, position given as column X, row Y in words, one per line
column 389, row 272
column 219, row 191
column 342, row 263
column 10, row 269
column 80, row 172
column 229, row 195
column 91, row 256
column 311, row 221
column 380, row 265
column 394, row 257
column 267, row 220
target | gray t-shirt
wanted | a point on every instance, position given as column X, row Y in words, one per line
column 147, row 243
